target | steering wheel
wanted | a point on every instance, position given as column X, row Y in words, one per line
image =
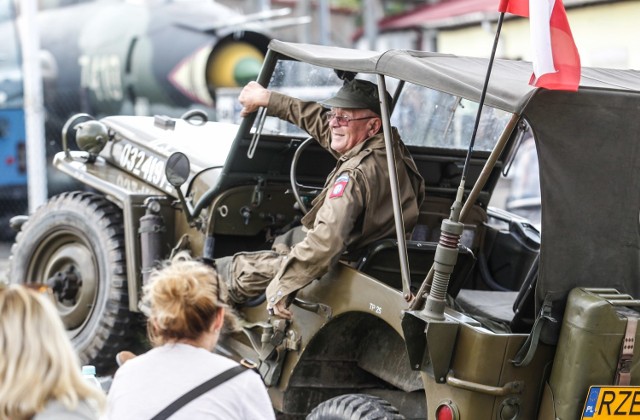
column 295, row 185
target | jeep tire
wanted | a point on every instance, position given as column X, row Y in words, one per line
column 75, row 244
column 355, row 406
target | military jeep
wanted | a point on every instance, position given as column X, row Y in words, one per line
column 472, row 316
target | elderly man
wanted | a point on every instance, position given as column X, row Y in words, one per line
column 354, row 208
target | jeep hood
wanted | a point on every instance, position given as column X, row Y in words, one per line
column 206, row 145
column 139, row 138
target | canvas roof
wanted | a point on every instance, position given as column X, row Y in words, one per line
column 508, row 88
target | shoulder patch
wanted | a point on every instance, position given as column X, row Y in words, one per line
column 339, row 185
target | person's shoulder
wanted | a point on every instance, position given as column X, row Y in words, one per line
column 252, row 375
column 243, row 377
column 223, row 361
column 55, row 410
column 372, row 152
column 360, row 155
column 371, row 161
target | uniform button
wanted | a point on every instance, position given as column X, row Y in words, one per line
column 279, row 293
column 272, row 299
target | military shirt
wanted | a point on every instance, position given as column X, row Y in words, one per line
column 354, row 208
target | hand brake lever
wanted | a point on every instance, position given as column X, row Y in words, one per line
column 318, row 308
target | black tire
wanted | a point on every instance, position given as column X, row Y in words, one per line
column 355, row 407
column 82, row 234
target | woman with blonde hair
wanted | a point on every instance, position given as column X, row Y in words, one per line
column 39, row 371
column 186, row 311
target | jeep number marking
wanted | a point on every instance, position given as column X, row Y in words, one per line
column 375, row 308
column 147, row 167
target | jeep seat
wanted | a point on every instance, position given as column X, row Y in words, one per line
column 503, row 310
column 382, row 261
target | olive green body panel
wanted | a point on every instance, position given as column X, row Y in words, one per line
column 483, row 381
column 105, row 177
column 588, row 348
column 546, row 405
column 366, row 316
column 248, row 210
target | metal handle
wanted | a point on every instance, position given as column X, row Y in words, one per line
column 318, row 308
column 262, row 116
column 514, row 387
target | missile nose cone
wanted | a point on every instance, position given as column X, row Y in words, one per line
column 234, row 64
column 246, row 70
column 228, row 64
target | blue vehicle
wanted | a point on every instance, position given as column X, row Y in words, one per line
column 13, row 155
column 13, row 168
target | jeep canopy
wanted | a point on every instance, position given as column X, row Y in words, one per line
column 461, row 76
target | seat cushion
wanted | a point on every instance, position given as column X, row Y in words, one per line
column 494, row 305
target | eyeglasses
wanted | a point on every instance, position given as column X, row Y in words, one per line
column 344, row 120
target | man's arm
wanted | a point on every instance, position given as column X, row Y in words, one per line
column 306, row 115
column 309, row 116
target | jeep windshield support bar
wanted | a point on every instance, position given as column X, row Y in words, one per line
column 245, row 126
column 393, row 180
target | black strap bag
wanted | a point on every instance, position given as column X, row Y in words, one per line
column 199, row 390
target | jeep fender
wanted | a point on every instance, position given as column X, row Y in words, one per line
column 370, row 353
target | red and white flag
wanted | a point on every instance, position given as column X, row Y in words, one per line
column 556, row 62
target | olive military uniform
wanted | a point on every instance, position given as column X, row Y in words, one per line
column 353, row 210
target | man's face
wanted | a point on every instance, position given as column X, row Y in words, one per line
column 345, row 135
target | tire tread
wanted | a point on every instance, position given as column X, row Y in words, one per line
column 353, row 407
column 114, row 330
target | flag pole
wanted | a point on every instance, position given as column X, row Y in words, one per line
column 447, row 251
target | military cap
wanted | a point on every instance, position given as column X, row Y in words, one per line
column 357, row 94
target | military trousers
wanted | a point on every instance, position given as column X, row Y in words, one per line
column 248, row 274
